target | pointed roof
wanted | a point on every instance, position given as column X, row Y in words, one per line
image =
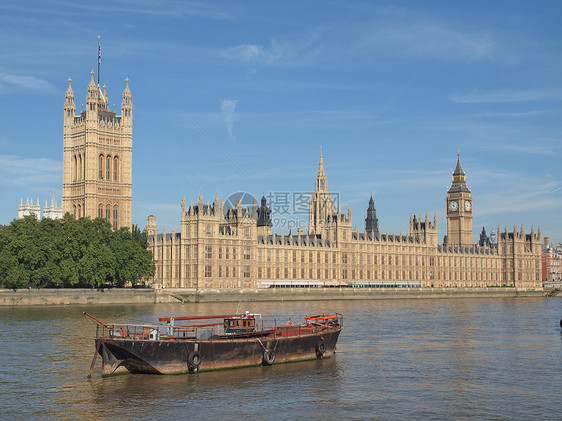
column 69, row 91
column 459, row 179
column 126, row 91
column 458, row 168
column 321, row 165
column 92, row 84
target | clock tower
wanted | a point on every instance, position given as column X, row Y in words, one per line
column 459, row 210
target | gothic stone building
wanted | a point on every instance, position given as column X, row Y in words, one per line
column 97, row 157
column 236, row 248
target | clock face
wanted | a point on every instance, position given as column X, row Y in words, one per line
column 467, row 205
column 453, row 205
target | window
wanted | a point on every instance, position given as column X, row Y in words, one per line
column 208, row 252
column 115, row 218
column 108, row 168
column 100, row 169
column 220, row 254
column 208, row 271
column 247, row 254
column 268, row 256
column 108, row 213
column 100, row 211
column 208, row 229
column 116, row 169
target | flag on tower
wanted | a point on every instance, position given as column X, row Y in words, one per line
column 99, row 59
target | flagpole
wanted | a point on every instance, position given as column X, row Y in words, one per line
column 99, row 59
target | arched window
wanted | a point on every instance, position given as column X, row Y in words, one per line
column 116, row 168
column 74, row 169
column 108, row 213
column 79, row 211
column 80, row 167
column 100, row 211
column 115, row 214
column 74, row 209
column 84, row 169
column 108, row 168
column 100, row 167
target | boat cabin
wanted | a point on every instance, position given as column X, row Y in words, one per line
column 240, row 324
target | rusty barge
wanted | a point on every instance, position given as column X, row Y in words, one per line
column 202, row 343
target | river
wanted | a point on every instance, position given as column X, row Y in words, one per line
column 414, row 359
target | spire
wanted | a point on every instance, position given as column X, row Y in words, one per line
column 321, row 163
column 69, row 91
column 92, row 84
column 459, row 179
column 458, row 168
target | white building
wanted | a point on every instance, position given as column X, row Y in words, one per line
column 51, row 212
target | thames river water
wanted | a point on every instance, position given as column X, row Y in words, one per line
column 397, row 359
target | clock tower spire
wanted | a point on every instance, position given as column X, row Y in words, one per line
column 459, row 209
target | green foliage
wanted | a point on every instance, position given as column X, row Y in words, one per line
column 71, row 253
column 139, row 236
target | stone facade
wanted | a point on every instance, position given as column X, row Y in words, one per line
column 97, row 157
column 236, row 248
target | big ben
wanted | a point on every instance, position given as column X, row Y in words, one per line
column 459, row 210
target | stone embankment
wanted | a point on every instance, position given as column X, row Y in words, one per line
column 38, row 297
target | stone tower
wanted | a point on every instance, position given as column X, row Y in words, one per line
column 459, row 210
column 321, row 203
column 97, row 157
column 371, row 221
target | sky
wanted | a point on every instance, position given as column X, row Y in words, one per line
column 240, row 97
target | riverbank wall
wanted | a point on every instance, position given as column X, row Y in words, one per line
column 40, row 297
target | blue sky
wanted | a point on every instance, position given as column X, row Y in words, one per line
column 240, row 96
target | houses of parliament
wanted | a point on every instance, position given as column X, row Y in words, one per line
column 234, row 247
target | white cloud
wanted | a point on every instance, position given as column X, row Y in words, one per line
column 15, row 82
column 506, row 96
column 18, row 171
column 228, row 107
column 275, row 53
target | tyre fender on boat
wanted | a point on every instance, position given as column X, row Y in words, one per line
column 194, row 360
column 320, row 348
column 268, row 357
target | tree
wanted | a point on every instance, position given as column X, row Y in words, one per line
column 71, row 253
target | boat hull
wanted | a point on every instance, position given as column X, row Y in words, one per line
column 193, row 355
